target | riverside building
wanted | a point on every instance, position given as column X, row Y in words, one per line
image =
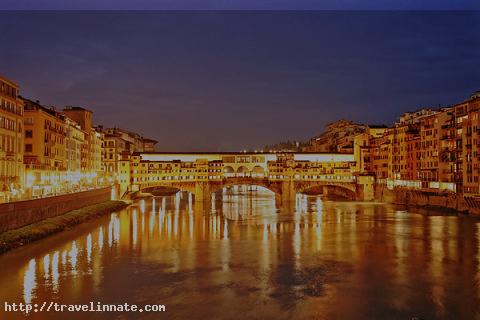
column 11, row 141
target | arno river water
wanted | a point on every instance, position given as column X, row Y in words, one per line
column 242, row 256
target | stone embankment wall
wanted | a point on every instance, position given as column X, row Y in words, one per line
column 428, row 198
column 18, row 214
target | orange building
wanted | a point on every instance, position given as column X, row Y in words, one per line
column 467, row 144
column 45, row 149
column 413, row 157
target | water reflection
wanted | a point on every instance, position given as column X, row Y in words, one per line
column 55, row 272
column 29, row 282
column 243, row 254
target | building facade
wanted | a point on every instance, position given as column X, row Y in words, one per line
column 427, row 149
column 45, row 154
column 117, row 144
column 92, row 149
column 11, row 141
column 75, row 139
column 338, row 137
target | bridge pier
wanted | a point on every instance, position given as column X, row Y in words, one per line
column 288, row 192
column 202, row 207
column 365, row 188
column 203, row 192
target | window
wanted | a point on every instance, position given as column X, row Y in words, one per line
column 28, row 148
column 28, row 133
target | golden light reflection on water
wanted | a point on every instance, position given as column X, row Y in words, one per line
column 243, row 227
column 29, row 281
column 55, row 272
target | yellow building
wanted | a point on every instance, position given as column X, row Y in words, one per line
column 96, row 160
column 45, row 154
column 92, row 149
column 118, row 142
column 11, row 141
column 75, row 138
column 366, row 149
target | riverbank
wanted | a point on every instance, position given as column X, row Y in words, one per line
column 18, row 237
column 434, row 199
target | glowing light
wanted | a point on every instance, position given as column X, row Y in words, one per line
column 89, row 248
column 297, row 244
column 73, row 254
column 46, row 266
column 225, row 229
column 177, row 202
column 55, row 273
column 151, row 222
column 100, row 239
column 116, row 228
column 190, row 220
column 29, row 282
column 64, row 258
column 265, row 230
column 190, row 200
column 175, row 226
column 134, row 228
column 110, row 237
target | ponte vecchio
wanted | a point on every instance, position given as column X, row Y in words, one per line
column 286, row 174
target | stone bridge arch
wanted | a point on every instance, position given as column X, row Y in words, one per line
column 284, row 190
column 243, row 171
column 228, row 171
column 181, row 186
column 265, row 183
column 258, row 172
column 345, row 190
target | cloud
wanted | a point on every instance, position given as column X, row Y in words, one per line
column 204, row 80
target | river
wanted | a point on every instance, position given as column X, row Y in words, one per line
column 243, row 256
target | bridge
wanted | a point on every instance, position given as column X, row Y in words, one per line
column 285, row 174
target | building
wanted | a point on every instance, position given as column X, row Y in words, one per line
column 75, row 140
column 413, row 156
column 92, row 153
column 365, row 148
column 379, row 157
column 11, row 141
column 45, row 155
column 399, row 137
column 337, row 137
column 467, row 144
column 97, row 140
column 118, row 143
column 426, row 149
column 149, row 145
column 413, row 118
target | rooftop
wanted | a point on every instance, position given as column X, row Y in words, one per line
column 73, row 108
column 30, row 105
column 8, row 81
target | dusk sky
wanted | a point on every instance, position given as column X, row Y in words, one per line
column 243, row 4
column 233, row 80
